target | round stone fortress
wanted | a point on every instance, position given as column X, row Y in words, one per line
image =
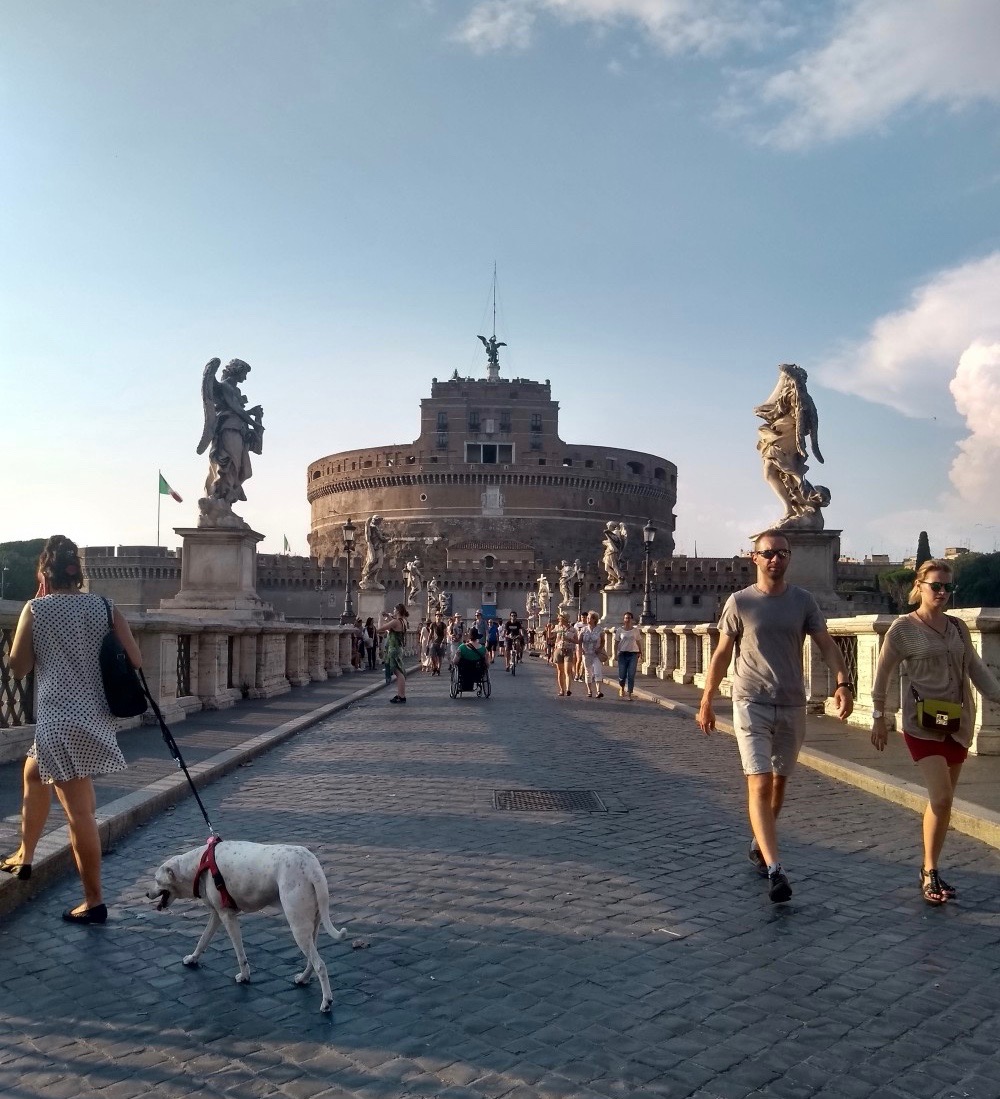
column 489, row 489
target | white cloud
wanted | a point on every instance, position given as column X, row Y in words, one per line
column 910, row 356
column 882, row 56
column 674, row 26
column 976, row 389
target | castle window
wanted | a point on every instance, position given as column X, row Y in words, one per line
column 567, row 461
column 505, row 421
column 473, row 421
column 635, row 467
column 660, row 473
column 536, row 444
column 541, row 461
column 489, row 561
column 442, row 421
column 410, row 459
column 609, row 463
column 489, row 454
column 316, row 474
column 442, row 440
column 536, row 421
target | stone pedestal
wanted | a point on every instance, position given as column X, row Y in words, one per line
column 614, row 604
column 219, row 575
column 370, row 604
column 814, row 566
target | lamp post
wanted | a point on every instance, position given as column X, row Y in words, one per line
column 3, row 581
column 647, row 618
column 348, row 616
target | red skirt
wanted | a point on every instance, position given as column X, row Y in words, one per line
column 952, row 751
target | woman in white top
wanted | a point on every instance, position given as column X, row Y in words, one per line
column 59, row 635
column 591, row 641
column 938, row 662
column 628, row 642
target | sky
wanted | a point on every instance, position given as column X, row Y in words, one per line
column 678, row 196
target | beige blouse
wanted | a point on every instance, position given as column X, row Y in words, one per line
column 937, row 666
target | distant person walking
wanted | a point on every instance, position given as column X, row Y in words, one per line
column 59, row 634
column 394, row 628
column 767, row 624
column 939, row 664
column 564, row 653
column 628, row 643
column 591, row 643
column 368, row 640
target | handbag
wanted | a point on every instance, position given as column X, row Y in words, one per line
column 938, row 715
column 122, row 688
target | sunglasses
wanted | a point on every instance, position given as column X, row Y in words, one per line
column 782, row 555
column 936, row 586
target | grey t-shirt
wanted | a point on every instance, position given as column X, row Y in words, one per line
column 770, row 631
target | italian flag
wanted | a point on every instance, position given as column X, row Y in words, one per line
column 166, row 490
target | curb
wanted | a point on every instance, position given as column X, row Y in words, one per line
column 971, row 820
column 117, row 819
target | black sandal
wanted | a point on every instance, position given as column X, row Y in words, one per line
column 20, row 870
column 949, row 891
column 931, row 888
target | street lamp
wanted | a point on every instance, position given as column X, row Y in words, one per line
column 348, row 616
column 647, row 618
column 3, row 581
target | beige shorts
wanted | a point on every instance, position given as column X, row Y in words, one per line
column 769, row 737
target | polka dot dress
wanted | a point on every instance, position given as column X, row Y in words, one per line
column 75, row 732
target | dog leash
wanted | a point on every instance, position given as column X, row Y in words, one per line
column 168, row 737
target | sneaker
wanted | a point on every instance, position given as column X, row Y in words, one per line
column 779, row 890
column 396, row 698
column 754, row 855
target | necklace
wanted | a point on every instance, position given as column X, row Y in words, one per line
column 940, row 633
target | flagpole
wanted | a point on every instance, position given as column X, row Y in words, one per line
column 159, row 497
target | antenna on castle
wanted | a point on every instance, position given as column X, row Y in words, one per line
column 492, row 344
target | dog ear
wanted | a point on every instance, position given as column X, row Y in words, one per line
column 169, row 872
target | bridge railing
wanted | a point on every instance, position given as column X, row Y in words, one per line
column 195, row 665
column 682, row 653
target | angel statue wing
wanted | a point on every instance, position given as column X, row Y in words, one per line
column 208, row 401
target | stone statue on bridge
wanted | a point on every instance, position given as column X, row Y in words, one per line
column 790, row 422
column 614, row 539
column 544, row 594
column 232, row 432
column 375, row 542
column 414, row 580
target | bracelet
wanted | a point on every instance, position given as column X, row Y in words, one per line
column 847, row 685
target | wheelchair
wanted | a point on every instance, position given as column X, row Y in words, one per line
column 468, row 676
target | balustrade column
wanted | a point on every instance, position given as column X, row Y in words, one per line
column 984, row 626
column 317, row 656
column 687, row 654
column 296, row 668
column 668, row 652
column 159, row 666
column 331, row 652
column 213, row 672
column 649, row 658
column 706, row 641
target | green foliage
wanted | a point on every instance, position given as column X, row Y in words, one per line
column 896, row 585
column 923, row 549
column 20, row 559
column 977, row 579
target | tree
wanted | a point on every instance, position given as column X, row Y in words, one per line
column 896, row 585
column 20, row 559
column 923, row 549
column 977, row 580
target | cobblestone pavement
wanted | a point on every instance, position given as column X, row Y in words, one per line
column 623, row 954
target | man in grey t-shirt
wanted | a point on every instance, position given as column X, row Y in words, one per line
column 767, row 624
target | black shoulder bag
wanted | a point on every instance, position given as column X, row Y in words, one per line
column 122, row 688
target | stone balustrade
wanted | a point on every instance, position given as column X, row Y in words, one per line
column 682, row 654
column 193, row 665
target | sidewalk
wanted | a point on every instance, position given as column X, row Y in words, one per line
column 212, row 742
column 845, row 753
column 215, row 743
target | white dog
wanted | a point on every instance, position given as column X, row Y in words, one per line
column 255, row 875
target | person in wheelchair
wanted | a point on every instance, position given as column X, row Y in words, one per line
column 470, row 662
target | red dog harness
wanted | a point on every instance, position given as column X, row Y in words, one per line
column 209, row 864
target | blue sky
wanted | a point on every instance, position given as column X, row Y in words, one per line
column 679, row 195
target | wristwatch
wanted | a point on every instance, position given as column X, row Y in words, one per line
column 876, row 714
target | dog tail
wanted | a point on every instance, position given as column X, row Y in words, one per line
column 323, row 905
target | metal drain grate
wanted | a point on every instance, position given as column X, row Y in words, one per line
column 560, row 801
